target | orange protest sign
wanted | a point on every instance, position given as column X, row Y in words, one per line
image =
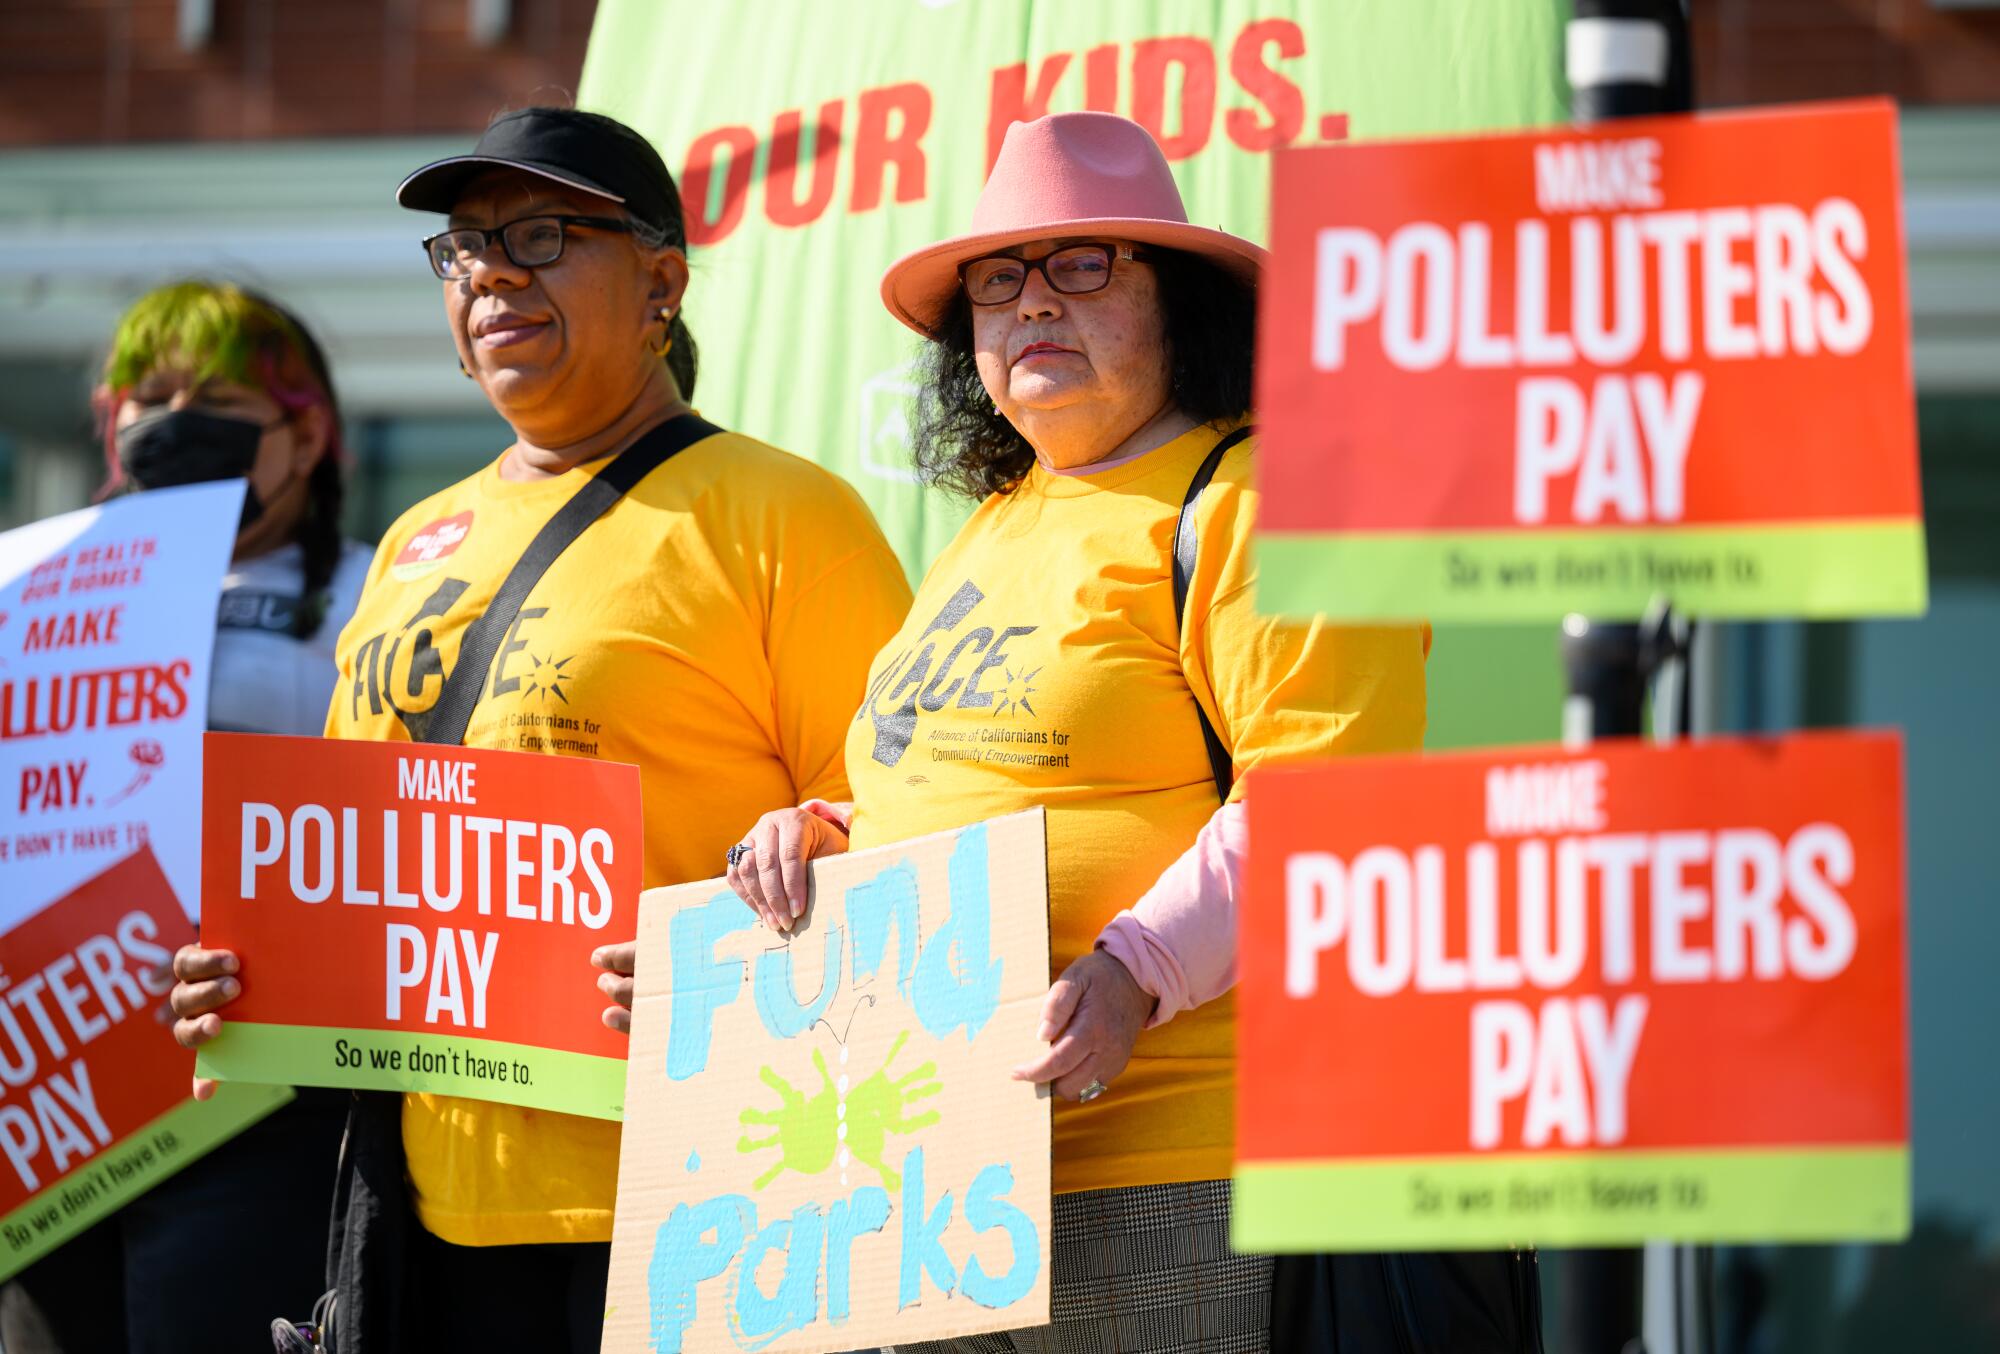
column 1507, row 377
column 1576, row 998
column 96, row 1108
column 415, row 917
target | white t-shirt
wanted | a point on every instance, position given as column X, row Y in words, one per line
column 266, row 679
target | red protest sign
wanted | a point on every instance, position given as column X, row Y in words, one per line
column 96, row 1107
column 1573, row 370
column 1576, row 998
column 414, row 917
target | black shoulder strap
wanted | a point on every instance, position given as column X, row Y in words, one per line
column 455, row 703
column 1186, row 542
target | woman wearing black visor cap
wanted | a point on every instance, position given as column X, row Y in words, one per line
column 713, row 626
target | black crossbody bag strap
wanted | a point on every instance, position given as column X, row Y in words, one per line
column 483, row 637
column 1187, row 541
column 376, row 1299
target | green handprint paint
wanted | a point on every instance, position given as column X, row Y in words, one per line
column 878, row 1107
column 806, row 1133
column 809, row 1131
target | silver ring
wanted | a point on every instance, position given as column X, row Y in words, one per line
column 1091, row 1092
column 737, row 852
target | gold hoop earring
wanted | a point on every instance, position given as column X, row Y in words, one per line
column 667, row 339
column 464, row 371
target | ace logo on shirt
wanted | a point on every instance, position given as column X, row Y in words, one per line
column 402, row 671
column 969, row 687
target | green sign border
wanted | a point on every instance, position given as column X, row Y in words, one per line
column 307, row 1055
column 1820, row 570
column 1786, row 1194
column 197, row 1127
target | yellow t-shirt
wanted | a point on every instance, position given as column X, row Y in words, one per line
column 713, row 628
column 1042, row 663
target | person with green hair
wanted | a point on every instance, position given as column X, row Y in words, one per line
column 211, row 381
column 207, row 381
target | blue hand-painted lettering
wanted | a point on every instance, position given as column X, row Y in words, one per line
column 701, row 986
column 923, row 1247
column 683, row 1257
column 760, row 1318
column 985, row 1209
column 958, row 980
column 777, row 997
column 849, row 1220
column 873, row 906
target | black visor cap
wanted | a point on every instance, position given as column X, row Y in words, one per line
column 589, row 151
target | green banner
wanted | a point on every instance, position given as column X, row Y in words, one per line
column 128, row 1168
column 395, row 1060
column 1808, row 569
column 1787, row 1194
column 814, row 144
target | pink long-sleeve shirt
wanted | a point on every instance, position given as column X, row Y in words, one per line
column 1179, row 940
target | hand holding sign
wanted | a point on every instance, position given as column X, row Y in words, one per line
column 1091, row 1019
column 205, row 983
column 616, row 982
column 768, row 870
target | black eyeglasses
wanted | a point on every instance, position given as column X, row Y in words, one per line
column 1081, row 268
column 531, row 242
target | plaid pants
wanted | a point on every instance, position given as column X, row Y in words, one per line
column 1142, row 1271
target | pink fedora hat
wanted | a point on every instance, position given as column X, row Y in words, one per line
column 1061, row 175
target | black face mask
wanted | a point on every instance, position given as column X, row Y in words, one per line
column 185, row 446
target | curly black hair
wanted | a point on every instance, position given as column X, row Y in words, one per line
column 963, row 444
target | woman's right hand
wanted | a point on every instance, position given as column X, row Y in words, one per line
column 771, row 877
column 205, row 984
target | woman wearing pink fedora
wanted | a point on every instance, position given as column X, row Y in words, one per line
column 1091, row 633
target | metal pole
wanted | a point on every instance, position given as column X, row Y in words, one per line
column 1596, row 1307
column 1624, row 58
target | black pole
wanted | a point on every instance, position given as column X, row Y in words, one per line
column 1624, row 58
column 1595, row 1294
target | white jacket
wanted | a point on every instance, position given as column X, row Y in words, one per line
column 265, row 678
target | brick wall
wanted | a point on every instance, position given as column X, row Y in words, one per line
column 1771, row 51
column 89, row 71
column 84, row 71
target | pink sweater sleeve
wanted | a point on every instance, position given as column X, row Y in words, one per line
column 1179, row 940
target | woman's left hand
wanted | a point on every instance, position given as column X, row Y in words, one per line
column 616, row 982
column 1091, row 1018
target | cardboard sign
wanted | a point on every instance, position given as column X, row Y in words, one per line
column 414, row 917
column 107, row 620
column 824, row 1150
column 1509, row 377
column 95, row 1107
column 1576, row 998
